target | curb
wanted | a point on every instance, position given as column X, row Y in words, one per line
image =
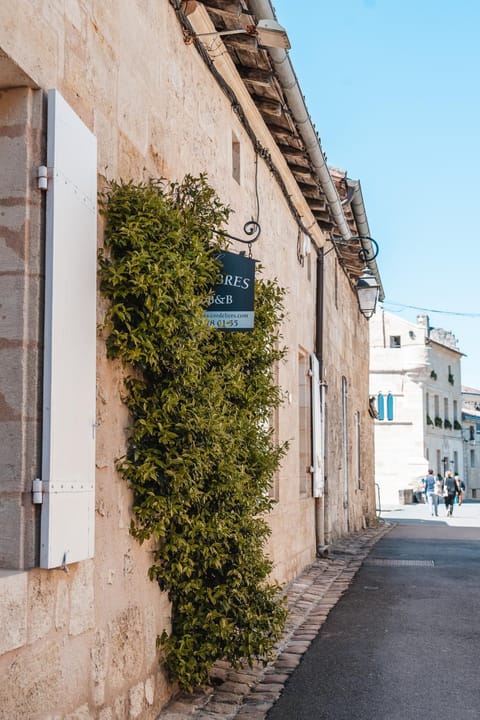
column 249, row 693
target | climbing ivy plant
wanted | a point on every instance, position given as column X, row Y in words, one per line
column 201, row 451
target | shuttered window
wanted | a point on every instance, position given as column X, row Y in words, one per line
column 68, row 453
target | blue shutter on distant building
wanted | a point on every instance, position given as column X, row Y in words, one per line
column 389, row 406
column 381, row 407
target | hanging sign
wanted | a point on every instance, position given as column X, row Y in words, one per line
column 231, row 303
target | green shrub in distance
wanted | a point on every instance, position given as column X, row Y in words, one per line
column 201, row 451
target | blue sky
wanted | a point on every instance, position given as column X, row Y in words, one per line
column 393, row 89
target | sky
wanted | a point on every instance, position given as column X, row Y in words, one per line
column 393, row 89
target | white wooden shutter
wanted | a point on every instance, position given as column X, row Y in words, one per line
column 68, row 461
column 317, row 429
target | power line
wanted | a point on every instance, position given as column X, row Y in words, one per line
column 431, row 310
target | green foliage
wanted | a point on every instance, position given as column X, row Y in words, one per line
column 456, row 425
column 201, row 452
column 447, row 424
column 429, row 420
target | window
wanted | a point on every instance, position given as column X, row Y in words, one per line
column 455, row 462
column 381, row 403
column 472, row 432
column 472, row 458
column 345, row 468
column 304, row 423
column 318, row 480
column 395, row 341
column 438, row 456
column 455, row 411
column 20, row 353
column 427, row 403
column 235, row 159
column 64, row 437
column 357, row 449
column 445, row 408
column 273, row 491
column 437, row 406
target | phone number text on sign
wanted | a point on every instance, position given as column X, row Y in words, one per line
column 231, row 320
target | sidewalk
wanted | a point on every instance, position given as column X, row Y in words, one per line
column 465, row 515
column 249, row 693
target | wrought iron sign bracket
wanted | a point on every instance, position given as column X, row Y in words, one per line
column 251, row 228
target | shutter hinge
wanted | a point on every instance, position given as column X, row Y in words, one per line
column 37, row 492
column 42, row 177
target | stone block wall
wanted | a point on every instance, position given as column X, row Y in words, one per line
column 54, row 617
column 81, row 645
column 21, row 289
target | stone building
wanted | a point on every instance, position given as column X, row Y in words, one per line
column 96, row 91
column 415, row 379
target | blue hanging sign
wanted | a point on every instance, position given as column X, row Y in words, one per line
column 232, row 302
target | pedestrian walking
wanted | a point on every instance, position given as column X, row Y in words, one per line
column 430, row 494
column 460, row 488
column 449, row 492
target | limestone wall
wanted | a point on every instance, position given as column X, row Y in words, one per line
column 81, row 644
column 350, row 491
column 21, row 288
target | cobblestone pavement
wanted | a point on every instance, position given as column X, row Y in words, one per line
column 249, row 693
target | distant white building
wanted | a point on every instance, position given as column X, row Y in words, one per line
column 415, row 384
column 471, row 440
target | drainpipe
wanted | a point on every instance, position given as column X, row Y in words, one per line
column 358, row 209
column 263, row 9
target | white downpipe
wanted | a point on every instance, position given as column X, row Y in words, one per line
column 263, row 10
column 358, row 209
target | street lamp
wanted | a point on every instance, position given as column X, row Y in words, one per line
column 367, row 288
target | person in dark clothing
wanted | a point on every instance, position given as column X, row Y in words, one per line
column 450, row 490
column 460, row 488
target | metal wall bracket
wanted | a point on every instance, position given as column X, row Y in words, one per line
column 37, row 490
column 42, row 177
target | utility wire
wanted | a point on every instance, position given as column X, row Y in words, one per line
column 431, row 310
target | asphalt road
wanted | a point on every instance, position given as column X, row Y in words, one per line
column 404, row 641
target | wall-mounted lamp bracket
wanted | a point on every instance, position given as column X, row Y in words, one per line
column 368, row 255
column 364, row 254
